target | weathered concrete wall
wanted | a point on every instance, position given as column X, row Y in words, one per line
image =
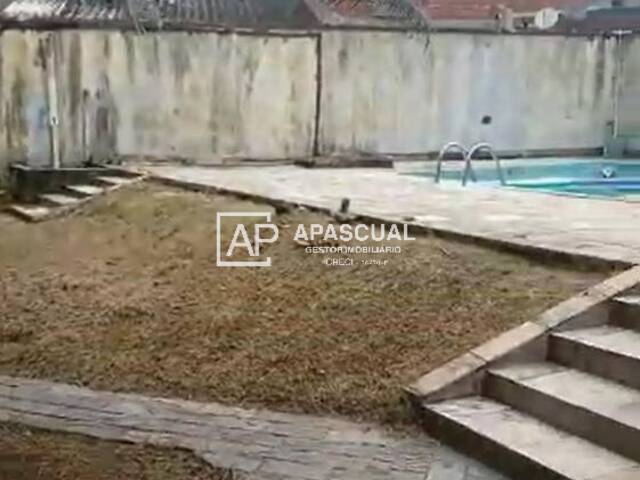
column 407, row 93
column 199, row 96
column 23, row 104
column 628, row 111
column 202, row 96
column 206, row 96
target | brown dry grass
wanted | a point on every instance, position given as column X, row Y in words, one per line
column 127, row 297
column 27, row 454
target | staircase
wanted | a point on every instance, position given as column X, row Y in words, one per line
column 573, row 416
column 69, row 198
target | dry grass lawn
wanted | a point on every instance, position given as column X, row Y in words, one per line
column 27, row 454
column 126, row 296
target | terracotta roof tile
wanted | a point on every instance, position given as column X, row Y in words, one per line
column 484, row 9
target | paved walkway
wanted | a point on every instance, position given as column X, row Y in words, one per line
column 606, row 229
column 262, row 445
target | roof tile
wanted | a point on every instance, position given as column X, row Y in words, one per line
column 486, row 9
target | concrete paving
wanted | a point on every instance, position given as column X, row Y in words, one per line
column 534, row 449
column 598, row 228
column 599, row 410
column 608, row 351
column 260, row 445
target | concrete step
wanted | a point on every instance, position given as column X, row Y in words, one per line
column 609, row 351
column 30, row 213
column 84, row 191
column 625, row 311
column 58, row 200
column 521, row 445
column 111, row 181
column 599, row 410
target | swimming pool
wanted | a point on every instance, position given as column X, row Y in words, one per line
column 582, row 177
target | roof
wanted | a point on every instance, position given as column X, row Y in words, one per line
column 277, row 14
column 604, row 20
column 577, row 16
column 391, row 13
column 582, row 16
column 223, row 13
column 487, row 9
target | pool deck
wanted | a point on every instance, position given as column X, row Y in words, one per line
column 585, row 227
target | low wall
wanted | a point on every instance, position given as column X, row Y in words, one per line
column 407, row 93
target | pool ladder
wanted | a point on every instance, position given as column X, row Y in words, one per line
column 469, row 155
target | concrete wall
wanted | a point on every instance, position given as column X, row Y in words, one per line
column 206, row 96
column 408, row 93
column 200, row 96
column 23, row 104
column 628, row 111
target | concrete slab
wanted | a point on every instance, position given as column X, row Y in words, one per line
column 450, row 465
column 527, row 447
column 85, row 190
column 115, row 181
column 58, row 200
column 583, row 227
column 631, row 474
column 626, row 311
column 30, row 213
column 600, row 410
column 608, row 351
column 582, row 389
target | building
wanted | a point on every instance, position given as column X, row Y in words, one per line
column 250, row 14
column 506, row 15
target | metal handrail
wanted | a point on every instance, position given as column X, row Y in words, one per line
column 469, row 169
column 449, row 146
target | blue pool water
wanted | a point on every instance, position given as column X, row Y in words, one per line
column 593, row 177
column 604, row 188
